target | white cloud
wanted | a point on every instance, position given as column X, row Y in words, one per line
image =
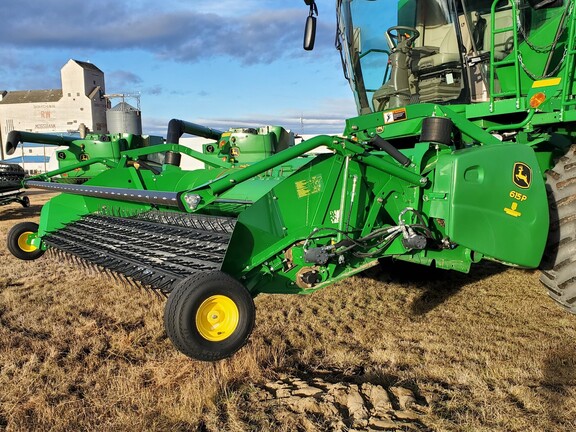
column 175, row 31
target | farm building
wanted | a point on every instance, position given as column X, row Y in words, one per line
column 79, row 101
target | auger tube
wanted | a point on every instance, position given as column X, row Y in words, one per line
column 176, row 128
column 17, row 137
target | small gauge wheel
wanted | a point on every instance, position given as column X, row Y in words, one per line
column 209, row 316
column 18, row 241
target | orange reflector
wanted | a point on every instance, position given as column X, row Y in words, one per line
column 222, row 143
column 537, row 100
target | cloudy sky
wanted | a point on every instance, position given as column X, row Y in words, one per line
column 221, row 63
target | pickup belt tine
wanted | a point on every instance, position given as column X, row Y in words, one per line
column 131, row 282
column 154, row 291
column 125, row 280
column 108, row 275
column 153, row 250
column 115, row 276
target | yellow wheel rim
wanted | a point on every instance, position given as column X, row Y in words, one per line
column 23, row 242
column 217, row 318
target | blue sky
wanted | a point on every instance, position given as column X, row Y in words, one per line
column 219, row 63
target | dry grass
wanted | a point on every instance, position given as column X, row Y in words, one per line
column 486, row 351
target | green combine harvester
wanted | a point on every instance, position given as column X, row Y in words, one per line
column 462, row 151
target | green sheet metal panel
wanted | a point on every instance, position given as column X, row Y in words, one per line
column 496, row 202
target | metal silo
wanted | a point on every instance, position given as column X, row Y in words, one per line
column 124, row 118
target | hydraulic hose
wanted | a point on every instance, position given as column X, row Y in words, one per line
column 382, row 144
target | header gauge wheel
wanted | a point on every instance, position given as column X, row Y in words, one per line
column 209, row 316
column 18, row 241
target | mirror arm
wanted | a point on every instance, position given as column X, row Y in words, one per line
column 313, row 7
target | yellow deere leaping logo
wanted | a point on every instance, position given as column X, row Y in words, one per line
column 522, row 175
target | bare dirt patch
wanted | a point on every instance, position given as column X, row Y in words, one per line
column 407, row 349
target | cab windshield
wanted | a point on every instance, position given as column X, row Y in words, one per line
column 438, row 62
column 363, row 47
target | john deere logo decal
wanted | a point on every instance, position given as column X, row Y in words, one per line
column 522, row 176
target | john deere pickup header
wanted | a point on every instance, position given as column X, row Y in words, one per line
column 462, row 151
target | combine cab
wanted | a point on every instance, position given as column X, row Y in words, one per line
column 462, row 151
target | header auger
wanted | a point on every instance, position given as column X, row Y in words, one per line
column 462, row 151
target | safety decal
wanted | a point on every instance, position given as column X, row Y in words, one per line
column 513, row 210
column 547, row 82
column 308, row 187
column 522, row 175
column 395, row 116
column 335, row 216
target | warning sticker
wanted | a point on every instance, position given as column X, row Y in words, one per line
column 395, row 116
column 513, row 210
column 312, row 186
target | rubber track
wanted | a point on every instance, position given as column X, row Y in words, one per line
column 145, row 248
column 559, row 262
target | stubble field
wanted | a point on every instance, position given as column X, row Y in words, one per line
column 406, row 349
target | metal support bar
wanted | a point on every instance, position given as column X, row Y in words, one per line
column 523, row 123
column 473, row 131
column 73, row 167
column 223, row 184
column 178, row 148
column 394, row 170
column 343, row 197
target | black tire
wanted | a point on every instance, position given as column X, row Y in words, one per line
column 16, row 241
column 202, row 297
column 25, row 201
column 559, row 261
